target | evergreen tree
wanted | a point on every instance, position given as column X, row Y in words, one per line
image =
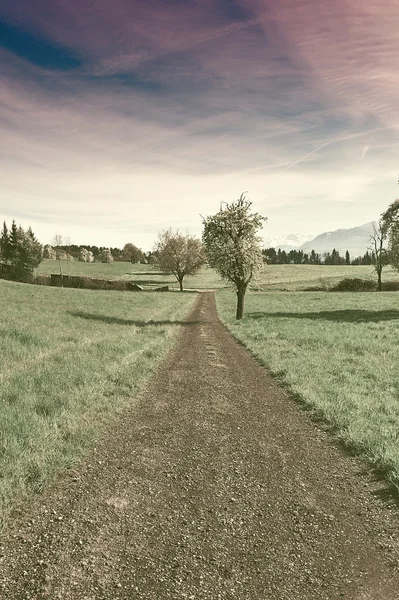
column 270, row 256
column 4, row 245
column 14, row 243
column 367, row 259
column 35, row 250
column 23, row 252
column 347, row 258
column 335, row 257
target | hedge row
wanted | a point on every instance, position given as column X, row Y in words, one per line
column 357, row 285
column 75, row 281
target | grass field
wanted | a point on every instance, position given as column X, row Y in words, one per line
column 71, row 360
column 339, row 353
column 145, row 275
column 298, row 277
column 273, row 277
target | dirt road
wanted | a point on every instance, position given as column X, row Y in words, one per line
column 214, row 486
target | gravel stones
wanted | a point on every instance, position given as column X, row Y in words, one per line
column 215, row 486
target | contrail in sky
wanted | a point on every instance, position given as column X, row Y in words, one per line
column 365, row 149
column 313, row 151
column 336, row 138
column 330, row 141
column 128, row 61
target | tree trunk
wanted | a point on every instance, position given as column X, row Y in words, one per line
column 240, row 301
column 379, row 271
column 181, row 284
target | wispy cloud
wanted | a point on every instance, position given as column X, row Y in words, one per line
column 172, row 107
column 350, row 49
column 365, row 149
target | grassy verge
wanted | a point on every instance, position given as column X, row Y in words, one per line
column 71, row 360
column 339, row 353
column 273, row 277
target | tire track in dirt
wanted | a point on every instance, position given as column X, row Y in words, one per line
column 214, row 486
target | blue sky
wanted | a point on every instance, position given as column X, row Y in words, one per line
column 121, row 119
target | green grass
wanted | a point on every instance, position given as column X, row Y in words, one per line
column 298, row 277
column 339, row 353
column 114, row 270
column 71, row 361
column 273, row 277
column 146, row 275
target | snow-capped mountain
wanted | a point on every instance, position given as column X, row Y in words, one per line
column 292, row 241
column 356, row 240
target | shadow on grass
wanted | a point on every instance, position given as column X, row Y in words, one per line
column 349, row 316
column 148, row 281
column 119, row 321
column 151, row 273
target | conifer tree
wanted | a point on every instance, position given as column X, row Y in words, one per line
column 4, row 245
column 20, row 251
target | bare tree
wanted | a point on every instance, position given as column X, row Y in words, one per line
column 380, row 255
column 179, row 254
column 59, row 243
column 56, row 243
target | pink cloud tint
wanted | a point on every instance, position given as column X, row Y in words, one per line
column 351, row 49
column 264, row 105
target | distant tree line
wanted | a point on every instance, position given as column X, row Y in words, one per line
column 271, row 256
column 76, row 253
column 60, row 249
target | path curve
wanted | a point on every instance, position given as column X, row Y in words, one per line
column 214, row 486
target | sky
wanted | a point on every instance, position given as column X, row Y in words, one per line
column 122, row 118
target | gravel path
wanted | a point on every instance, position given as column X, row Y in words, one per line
column 214, row 486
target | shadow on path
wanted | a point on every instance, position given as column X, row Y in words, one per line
column 349, row 316
column 119, row 321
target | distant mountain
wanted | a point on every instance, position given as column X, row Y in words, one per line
column 292, row 241
column 355, row 240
